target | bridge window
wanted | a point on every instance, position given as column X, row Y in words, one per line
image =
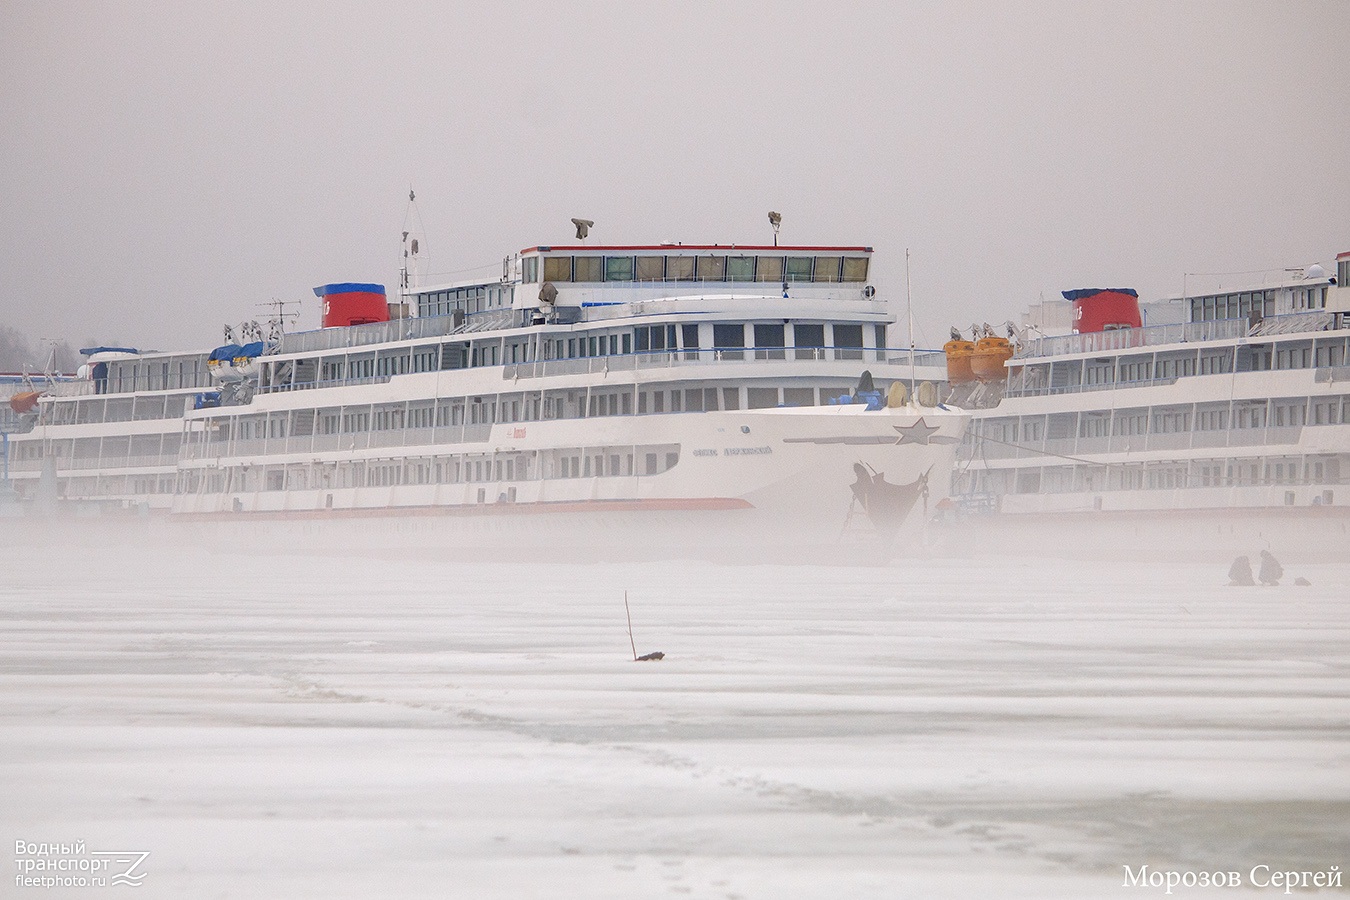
column 855, row 268
column 680, row 268
column 799, row 268
column 827, row 268
column 741, row 268
column 711, row 268
column 618, row 268
column 557, row 268
column 587, row 268
column 769, row 268
column 651, row 268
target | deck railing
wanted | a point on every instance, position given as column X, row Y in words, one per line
column 332, row 382
column 1189, row 332
column 345, row 442
column 666, row 359
column 1129, row 338
column 1019, row 389
column 399, row 330
column 68, row 464
column 1057, row 451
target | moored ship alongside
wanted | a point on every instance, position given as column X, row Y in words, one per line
column 1227, row 409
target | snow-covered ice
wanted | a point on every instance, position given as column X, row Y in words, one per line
column 330, row 726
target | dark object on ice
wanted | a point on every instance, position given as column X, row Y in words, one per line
column 1271, row 570
column 1240, row 573
column 650, row 657
column 1302, row 582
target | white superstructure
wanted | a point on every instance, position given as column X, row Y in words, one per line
column 659, row 382
column 1244, row 405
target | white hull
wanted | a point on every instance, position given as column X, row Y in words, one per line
column 780, row 476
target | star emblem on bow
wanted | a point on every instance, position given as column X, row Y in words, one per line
column 918, row 433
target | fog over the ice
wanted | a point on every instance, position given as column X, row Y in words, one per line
column 166, row 168
column 275, row 712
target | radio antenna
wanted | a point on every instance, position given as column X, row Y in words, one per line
column 909, row 304
column 412, row 268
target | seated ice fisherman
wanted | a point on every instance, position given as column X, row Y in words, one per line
column 1240, row 573
column 1271, row 570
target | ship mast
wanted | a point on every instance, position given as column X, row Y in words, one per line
column 909, row 304
column 411, row 270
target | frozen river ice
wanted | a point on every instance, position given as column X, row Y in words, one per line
column 277, row 726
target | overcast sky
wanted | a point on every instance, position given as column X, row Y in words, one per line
column 166, row 168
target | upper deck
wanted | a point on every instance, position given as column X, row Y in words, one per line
column 596, row 275
column 651, row 264
column 592, row 284
column 1292, row 303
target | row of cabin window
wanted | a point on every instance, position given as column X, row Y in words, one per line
column 359, row 420
column 1242, row 305
column 657, row 338
column 84, row 486
column 1310, row 298
column 469, row 299
column 643, row 339
column 820, row 269
column 144, row 407
column 728, row 336
column 707, row 399
column 151, row 448
column 599, row 462
column 303, row 423
column 773, row 335
column 1205, row 473
column 152, row 375
column 1232, row 306
column 1276, row 413
column 1207, row 363
column 763, row 336
column 1163, row 475
column 1277, row 470
column 1322, row 353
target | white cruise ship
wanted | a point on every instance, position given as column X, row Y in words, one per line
column 620, row 384
column 1223, row 405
